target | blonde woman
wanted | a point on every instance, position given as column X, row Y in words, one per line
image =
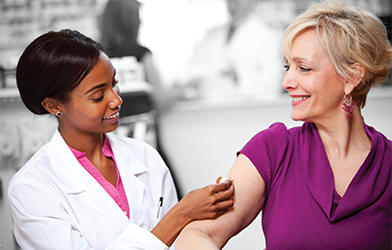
column 327, row 184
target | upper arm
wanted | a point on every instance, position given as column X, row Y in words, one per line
column 249, row 197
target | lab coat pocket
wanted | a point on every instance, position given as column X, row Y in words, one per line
column 151, row 216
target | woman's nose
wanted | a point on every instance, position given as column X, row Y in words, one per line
column 116, row 100
column 289, row 81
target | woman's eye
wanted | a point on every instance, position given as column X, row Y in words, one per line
column 98, row 99
column 286, row 67
column 304, row 69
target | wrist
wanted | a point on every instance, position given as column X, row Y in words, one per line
column 171, row 225
column 177, row 214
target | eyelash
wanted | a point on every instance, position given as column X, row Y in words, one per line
column 99, row 99
column 115, row 82
column 303, row 69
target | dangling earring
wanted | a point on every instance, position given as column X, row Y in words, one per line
column 348, row 106
column 58, row 113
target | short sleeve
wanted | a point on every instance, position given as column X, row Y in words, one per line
column 266, row 150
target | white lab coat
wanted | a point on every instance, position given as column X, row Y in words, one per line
column 57, row 204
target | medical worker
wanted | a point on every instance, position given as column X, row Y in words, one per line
column 87, row 188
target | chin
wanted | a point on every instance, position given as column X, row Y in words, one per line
column 300, row 116
column 296, row 117
column 111, row 129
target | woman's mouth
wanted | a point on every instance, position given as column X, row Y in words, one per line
column 115, row 116
column 299, row 99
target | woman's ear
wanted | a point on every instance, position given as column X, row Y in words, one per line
column 51, row 105
column 359, row 73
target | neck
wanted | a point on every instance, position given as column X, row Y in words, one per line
column 90, row 143
column 346, row 136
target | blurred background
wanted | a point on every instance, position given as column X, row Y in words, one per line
column 211, row 80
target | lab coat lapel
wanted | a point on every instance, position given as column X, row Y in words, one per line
column 100, row 200
column 76, row 180
column 130, row 169
column 65, row 165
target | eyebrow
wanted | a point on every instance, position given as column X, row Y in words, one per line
column 305, row 60
column 99, row 86
column 299, row 59
column 95, row 87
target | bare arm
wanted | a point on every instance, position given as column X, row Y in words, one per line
column 209, row 202
column 249, row 200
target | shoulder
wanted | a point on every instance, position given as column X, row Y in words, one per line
column 37, row 172
column 271, row 144
column 275, row 136
column 144, row 49
column 140, row 51
column 278, row 137
column 379, row 139
column 40, row 158
column 381, row 144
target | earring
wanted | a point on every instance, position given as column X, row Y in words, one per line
column 348, row 106
column 58, row 113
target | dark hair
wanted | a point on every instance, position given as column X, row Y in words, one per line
column 53, row 65
column 120, row 23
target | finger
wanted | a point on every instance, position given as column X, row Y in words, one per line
column 222, row 186
column 224, row 204
column 224, row 195
column 213, row 214
column 218, row 180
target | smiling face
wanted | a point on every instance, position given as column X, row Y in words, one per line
column 95, row 103
column 311, row 81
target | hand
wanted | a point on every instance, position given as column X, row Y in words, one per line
column 209, row 202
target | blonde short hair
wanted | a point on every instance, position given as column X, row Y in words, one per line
column 348, row 35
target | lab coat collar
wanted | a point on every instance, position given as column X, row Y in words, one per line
column 74, row 179
column 124, row 156
column 130, row 168
column 65, row 165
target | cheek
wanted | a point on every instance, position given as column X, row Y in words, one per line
column 89, row 112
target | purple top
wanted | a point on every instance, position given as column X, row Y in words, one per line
column 117, row 193
column 302, row 208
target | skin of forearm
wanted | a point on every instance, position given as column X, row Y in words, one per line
column 170, row 226
column 192, row 238
column 206, row 203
